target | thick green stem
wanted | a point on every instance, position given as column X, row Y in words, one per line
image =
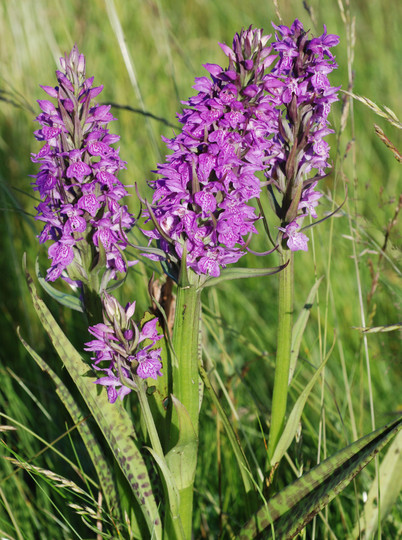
column 186, row 347
column 184, row 429
column 284, row 343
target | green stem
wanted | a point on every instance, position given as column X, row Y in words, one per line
column 186, row 347
column 92, row 302
column 284, row 342
column 149, row 420
column 90, row 283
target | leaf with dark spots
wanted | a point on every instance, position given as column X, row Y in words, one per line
column 112, row 419
column 291, row 509
column 95, row 450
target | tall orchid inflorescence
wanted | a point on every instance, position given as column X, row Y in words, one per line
column 245, row 120
column 202, row 200
column 86, row 222
column 300, row 90
column 77, row 179
column 123, row 350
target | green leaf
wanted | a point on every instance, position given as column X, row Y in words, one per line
column 182, row 458
column 112, row 419
column 151, row 250
column 296, row 194
column 299, row 327
column 173, row 492
column 240, row 273
column 95, row 451
column 173, row 525
column 100, row 263
column 68, row 300
column 391, row 486
column 158, row 392
column 294, row 417
column 173, row 496
column 183, row 275
column 291, row 509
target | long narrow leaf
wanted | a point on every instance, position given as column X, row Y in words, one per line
column 241, row 459
column 68, row 300
column 241, row 273
column 299, row 327
column 291, row 509
column 104, row 472
column 182, row 458
column 391, row 486
column 294, row 418
column 112, row 419
column 173, row 495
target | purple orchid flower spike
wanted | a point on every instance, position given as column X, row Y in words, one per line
column 245, row 120
column 201, row 203
column 303, row 95
column 77, row 180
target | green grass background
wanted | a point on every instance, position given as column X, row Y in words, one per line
column 168, row 41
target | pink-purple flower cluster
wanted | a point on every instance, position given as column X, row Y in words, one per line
column 302, row 94
column 202, row 199
column 245, row 120
column 122, row 349
column 77, row 180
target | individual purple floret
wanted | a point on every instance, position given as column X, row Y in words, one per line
column 77, row 179
column 296, row 240
column 309, row 200
column 120, row 350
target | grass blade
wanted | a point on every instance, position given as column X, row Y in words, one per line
column 104, row 472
